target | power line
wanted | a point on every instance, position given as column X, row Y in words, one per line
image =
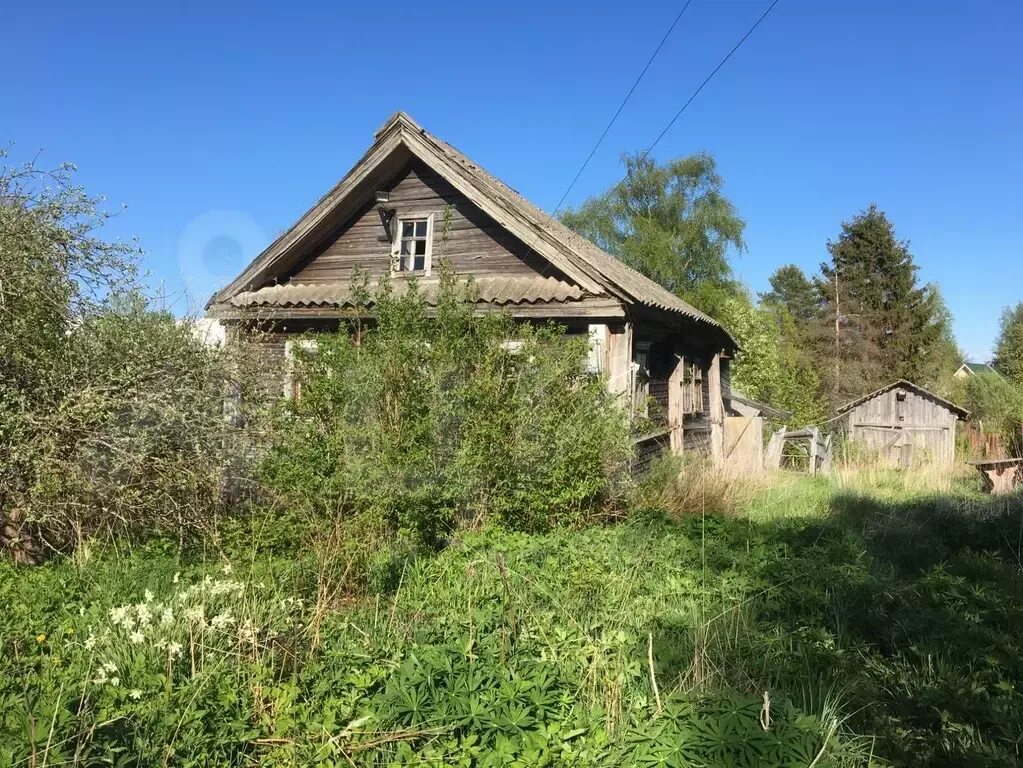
column 621, row 106
column 709, row 77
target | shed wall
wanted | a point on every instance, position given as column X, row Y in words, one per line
column 915, row 429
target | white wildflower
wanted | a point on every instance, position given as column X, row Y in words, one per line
column 226, row 587
column 144, row 614
column 248, row 631
column 115, row 681
column 174, row 650
column 136, row 637
column 227, row 568
column 222, row 620
column 109, row 667
column 167, row 617
column 135, row 694
column 90, row 642
column 195, row 614
column 120, row 616
column 149, row 596
column 177, row 577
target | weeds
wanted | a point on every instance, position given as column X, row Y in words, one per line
column 847, row 628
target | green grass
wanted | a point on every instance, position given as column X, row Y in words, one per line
column 881, row 618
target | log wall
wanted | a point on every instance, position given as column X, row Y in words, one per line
column 470, row 240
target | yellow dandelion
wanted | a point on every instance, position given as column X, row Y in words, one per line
column 41, row 638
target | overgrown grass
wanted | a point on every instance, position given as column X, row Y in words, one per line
column 821, row 622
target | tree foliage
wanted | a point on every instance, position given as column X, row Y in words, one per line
column 771, row 364
column 877, row 322
column 1009, row 346
column 996, row 406
column 792, row 290
column 671, row 222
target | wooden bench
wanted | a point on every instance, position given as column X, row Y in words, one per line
column 1000, row 475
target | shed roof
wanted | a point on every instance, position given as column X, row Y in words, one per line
column 962, row 413
column 756, row 407
column 596, row 272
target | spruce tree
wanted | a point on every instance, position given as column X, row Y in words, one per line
column 878, row 322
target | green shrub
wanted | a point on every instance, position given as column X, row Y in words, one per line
column 111, row 414
column 430, row 419
column 997, row 405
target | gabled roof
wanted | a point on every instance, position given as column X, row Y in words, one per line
column 593, row 270
column 962, row 413
column 979, row 368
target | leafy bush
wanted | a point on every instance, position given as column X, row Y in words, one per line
column 997, row 405
column 111, row 414
column 433, row 418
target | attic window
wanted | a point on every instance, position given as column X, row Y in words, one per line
column 413, row 246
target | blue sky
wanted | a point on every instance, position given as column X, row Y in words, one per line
column 219, row 124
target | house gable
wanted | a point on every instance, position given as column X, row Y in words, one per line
column 551, row 248
column 463, row 236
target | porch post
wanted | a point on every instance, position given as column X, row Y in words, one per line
column 675, row 414
column 717, row 412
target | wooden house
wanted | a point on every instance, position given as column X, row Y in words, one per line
column 903, row 424
column 412, row 201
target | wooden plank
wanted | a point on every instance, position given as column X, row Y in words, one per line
column 619, row 360
column 717, row 411
column 471, row 241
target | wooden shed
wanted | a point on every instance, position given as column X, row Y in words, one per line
column 903, row 424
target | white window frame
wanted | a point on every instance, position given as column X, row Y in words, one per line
column 292, row 386
column 597, row 336
column 396, row 270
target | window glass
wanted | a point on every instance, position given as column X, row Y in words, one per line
column 413, row 248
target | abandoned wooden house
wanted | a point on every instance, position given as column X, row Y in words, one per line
column 903, row 424
column 413, row 201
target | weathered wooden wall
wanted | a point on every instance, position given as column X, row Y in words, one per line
column 743, row 443
column 647, row 451
column 903, row 432
column 465, row 236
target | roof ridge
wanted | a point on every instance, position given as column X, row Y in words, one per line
column 572, row 254
column 906, row 383
column 562, row 232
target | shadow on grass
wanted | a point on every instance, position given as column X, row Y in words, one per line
column 908, row 616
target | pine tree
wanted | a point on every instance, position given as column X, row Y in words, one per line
column 793, row 290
